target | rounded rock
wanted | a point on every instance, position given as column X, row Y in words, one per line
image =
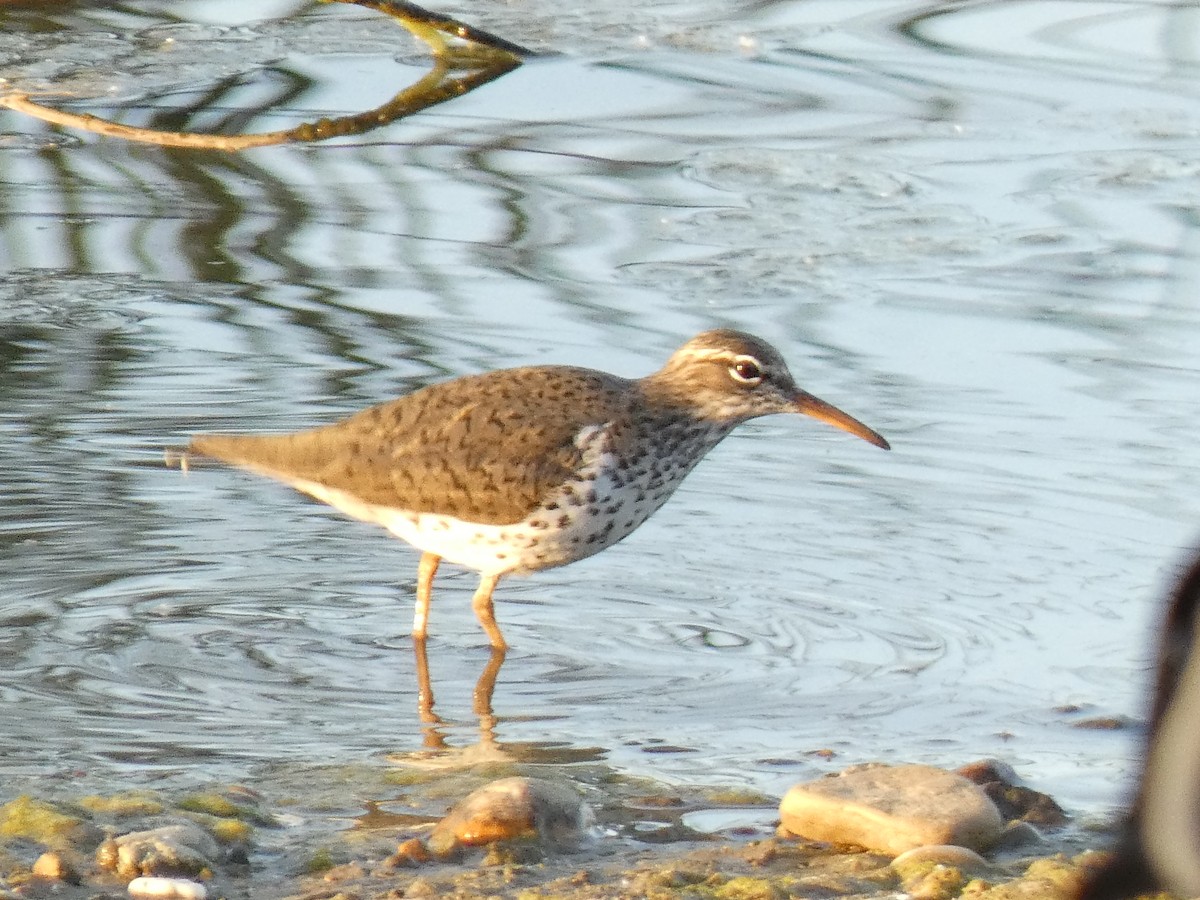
column 892, row 809
column 168, row 851
column 517, row 808
column 154, row 888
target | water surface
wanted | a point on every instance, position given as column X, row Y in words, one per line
column 972, row 227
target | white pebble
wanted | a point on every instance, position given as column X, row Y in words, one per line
column 177, row 888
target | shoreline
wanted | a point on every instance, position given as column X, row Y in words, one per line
column 365, row 832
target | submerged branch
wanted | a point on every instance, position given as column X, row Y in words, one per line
column 464, row 58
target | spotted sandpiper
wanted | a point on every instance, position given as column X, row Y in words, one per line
column 525, row 469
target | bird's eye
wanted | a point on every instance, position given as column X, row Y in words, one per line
column 746, row 371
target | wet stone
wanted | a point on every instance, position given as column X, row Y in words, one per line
column 410, row 853
column 55, row 866
column 47, row 824
column 938, row 872
column 172, row 850
column 155, row 888
column 892, row 809
column 516, row 808
column 1014, row 800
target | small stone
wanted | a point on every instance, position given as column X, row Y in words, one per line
column 985, row 771
column 410, row 853
column 168, row 851
column 1026, row 805
column 1106, row 723
column 54, row 866
column 892, row 809
column 943, row 855
column 1013, row 799
column 938, row 883
column 517, row 808
column 153, row 888
column 420, row 887
column 938, row 872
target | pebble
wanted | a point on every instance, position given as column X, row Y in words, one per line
column 892, row 809
column 942, row 855
column 1013, row 799
column 938, row 872
column 516, row 808
column 171, row 850
column 54, row 866
column 169, row 888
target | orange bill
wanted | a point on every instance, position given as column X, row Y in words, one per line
column 809, row 405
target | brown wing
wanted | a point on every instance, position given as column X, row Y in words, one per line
column 485, row 448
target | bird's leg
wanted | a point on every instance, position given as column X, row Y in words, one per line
column 425, row 572
column 482, row 604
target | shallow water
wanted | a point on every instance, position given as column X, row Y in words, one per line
column 974, row 227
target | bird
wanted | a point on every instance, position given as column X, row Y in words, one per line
column 1159, row 844
column 523, row 469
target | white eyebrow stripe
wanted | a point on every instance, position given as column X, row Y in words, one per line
column 702, row 354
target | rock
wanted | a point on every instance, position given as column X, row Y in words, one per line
column 1013, row 799
column 46, row 824
column 1026, row 805
column 985, row 771
column 168, row 851
column 515, row 808
column 54, row 866
column 167, row 888
column 942, row 855
column 938, row 872
column 408, row 854
column 892, row 809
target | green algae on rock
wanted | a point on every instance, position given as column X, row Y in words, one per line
column 47, row 824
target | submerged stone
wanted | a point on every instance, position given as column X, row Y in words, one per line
column 55, row 866
column 168, row 851
column 46, row 824
column 516, row 808
column 892, row 809
column 124, row 805
column 937, row 872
